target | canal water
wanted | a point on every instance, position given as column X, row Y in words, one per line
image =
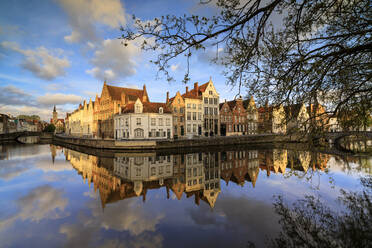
column 51, row 196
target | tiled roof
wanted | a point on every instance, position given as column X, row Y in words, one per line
column 196, row 93
column 203, row 87
column 148, row 107
column 115, row 92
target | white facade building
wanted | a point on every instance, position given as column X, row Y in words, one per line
column 144, row 120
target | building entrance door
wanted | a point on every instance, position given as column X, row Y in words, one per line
column 223, row 129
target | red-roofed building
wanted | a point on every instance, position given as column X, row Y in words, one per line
column 233, row 118
column 113, row 99
column 143, row 120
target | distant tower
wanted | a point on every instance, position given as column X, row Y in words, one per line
column 55, row 115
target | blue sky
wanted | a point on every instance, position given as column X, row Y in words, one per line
column 60, row 51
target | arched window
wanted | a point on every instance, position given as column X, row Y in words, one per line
column 160, row 110
column 138, row 133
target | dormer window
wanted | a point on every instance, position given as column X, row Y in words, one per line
column 138, row 109
column 160, row 110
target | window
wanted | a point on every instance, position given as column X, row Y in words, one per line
column 175, row 119
column 215, row 101
column 215, row 111
column 211, row 111
column 199, row 116
column 160, row 121
column 138, row 108
column 195, row 172
column 181, row 119
column 138, row 121
column 160, row 110
column 181, row 110
column 167, row 121
column 210, row 92
column 153, row 132
column 189, row 116
column 194, row 106
column 194, row 116
column 194, row 128
column 153, row 171
column 178, row 100
column 175, row 110
column 126, row 122
column 138, row 133
column 206, row 110
column 161, row 170
column 153, row 121
column 210, row 100
column 188, row 128
column 206, row 100
column 188, row 105
column 199, row 106
column 161, row 132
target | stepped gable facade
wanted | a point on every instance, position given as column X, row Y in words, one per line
column 252, row 115
column 271, row 119
column 297, row 117
column 177, row 106
column 233, row 118
column 112, row 100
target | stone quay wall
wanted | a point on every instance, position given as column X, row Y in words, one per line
column 176, row 144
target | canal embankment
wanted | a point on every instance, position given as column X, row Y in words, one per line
column 112, row 144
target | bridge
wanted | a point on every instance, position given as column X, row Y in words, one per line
column 17, row 135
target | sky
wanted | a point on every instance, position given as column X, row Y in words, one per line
column 59, row 52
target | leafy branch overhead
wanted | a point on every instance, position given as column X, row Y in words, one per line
column 284, row 51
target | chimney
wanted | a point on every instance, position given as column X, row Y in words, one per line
column 144, row 97
column 167, row 97
column 196, row 87
column 187, row 89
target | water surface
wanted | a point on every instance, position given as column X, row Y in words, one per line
column 56, row 197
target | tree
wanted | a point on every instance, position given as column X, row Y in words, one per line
column 310, row 223
column 29, row 117
column 50, row 128
column 321, row 54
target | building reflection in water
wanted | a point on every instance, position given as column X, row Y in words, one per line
column 196, row 175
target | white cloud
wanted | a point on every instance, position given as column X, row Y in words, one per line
column 58, row 99
column 135, row 219
column 44, row 113
column 84, row 15
column 113, row 60
column 43, row 63
column 43, row 202
column 13, row 96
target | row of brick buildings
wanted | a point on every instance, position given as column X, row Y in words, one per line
column 125, row 113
